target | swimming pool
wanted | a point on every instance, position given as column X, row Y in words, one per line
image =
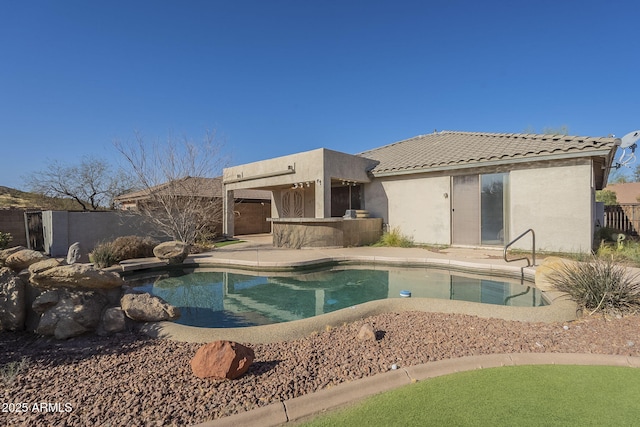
column 216, row 298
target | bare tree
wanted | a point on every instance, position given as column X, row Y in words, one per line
column 92, row 184
column 178, row 189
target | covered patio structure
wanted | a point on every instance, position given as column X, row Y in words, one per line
column 310, row 194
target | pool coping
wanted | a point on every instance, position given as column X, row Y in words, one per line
column 560, row 309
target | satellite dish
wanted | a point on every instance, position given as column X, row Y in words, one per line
column 630, row 139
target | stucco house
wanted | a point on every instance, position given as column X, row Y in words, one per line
column 449, row 188
column 251, row 209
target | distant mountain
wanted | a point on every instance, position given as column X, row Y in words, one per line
column 12, row 198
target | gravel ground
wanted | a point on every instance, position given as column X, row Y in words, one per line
column 129, row 379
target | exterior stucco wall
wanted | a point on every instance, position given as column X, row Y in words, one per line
column 62, row 228
column 556, row 202
column 314, row 169
column 553, row 198
column 417, row 206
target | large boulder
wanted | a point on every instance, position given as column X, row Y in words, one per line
column 148, row 308
column 113, row 320
column 23, row 259
column 76, row 276
column 222, row 360
column 45, row 301
column 40, row 266
column 73, row 254
column 12, row 301
column 75, row 313
column 172, row 252
column 5, row 253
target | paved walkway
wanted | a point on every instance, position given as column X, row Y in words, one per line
column 257, row 253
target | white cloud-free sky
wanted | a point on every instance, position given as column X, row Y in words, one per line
column 275, row 77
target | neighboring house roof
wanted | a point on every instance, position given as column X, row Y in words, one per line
column 190, row 186
column 626, row 193
column 449, row 150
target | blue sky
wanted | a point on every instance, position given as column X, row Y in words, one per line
column 278, row 77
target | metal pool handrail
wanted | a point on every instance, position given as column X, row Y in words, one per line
column 533, row 249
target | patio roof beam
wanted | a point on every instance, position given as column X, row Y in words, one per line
column 291, row 169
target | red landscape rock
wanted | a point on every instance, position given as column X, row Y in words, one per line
column 222, row 359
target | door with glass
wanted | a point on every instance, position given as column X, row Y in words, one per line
column 479, row 209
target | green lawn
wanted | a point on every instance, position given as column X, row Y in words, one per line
column 541, row 395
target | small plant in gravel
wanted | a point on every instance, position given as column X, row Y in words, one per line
column 5, row 239
column 599, row 285
column 9, row 371
column 395, row 238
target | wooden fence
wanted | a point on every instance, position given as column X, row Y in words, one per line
column 623, row 217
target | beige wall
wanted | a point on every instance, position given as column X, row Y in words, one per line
column 556, row 202
column 417, row 206
column 316, row 167
column 553, row 198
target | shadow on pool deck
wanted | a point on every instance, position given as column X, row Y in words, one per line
column 256, row 252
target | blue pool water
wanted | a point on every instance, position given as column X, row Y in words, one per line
column 224, row 299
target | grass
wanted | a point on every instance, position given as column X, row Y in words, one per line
column 541, row 395
column 227, row 243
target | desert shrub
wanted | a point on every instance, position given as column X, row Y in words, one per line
column 107, row 254
column 599, row 285
column 10, row 370
column 5, row 239
column 103, row 255
column 395, row 238
column 128, row 247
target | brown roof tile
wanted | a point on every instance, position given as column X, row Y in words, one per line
column 628, row 192
column 466, row 149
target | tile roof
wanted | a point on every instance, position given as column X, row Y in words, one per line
column 206, row 187
column 629, row 192
column 468, row 149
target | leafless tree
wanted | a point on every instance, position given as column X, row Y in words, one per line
column 178, row 188
column 92, row 183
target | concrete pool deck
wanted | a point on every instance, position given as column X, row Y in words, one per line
column 258, row 254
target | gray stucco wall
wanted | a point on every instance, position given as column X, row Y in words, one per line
column 62, row 228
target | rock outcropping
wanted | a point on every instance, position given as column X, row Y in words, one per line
column 12, row 301
column 75, row 276
column 68, row 299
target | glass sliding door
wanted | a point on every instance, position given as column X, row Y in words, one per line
column 493, row 203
